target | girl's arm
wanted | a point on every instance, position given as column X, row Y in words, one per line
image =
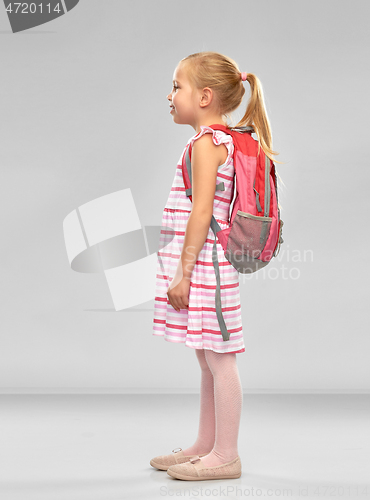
column 205, row 160
column 206, row 157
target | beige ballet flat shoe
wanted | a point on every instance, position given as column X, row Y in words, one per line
column 162, row 462
column 194, row 470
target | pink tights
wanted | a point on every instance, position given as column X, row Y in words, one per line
column 221, row 400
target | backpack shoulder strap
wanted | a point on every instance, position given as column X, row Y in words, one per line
column 222, row 128
column 186, row 172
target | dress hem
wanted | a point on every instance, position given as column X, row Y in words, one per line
column 240, row 351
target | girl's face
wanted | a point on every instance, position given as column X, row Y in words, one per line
column 183, row 98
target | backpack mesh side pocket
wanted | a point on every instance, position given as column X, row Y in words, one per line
column 247, row 240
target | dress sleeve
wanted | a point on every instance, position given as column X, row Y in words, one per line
column 219, row 137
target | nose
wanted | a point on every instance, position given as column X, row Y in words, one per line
column 169, row 97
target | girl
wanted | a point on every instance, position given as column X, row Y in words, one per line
column 207, row 86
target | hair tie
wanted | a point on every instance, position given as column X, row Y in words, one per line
column 243, row 76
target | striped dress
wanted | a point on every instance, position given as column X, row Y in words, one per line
column 198, row 326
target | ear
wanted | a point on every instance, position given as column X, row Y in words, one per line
column 206, row 97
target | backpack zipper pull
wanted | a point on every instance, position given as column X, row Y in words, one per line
column 259, row 208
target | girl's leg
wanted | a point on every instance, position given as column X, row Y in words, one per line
column 228, row 406
column 206, row 432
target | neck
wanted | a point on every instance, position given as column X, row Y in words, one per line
column 208, row 120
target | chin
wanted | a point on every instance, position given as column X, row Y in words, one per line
column 178, row 120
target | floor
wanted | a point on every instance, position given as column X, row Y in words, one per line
column 75, row 447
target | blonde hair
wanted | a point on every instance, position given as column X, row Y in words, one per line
column 222, row 74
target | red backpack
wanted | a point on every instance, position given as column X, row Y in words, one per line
column 255, row 232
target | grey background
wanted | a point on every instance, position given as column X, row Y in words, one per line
column 84, row 114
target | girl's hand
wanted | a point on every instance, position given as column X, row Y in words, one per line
column 178, row 293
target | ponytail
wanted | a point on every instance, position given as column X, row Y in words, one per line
column 256, row 117
column 222, row 74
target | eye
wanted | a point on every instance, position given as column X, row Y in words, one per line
column 175, row 87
